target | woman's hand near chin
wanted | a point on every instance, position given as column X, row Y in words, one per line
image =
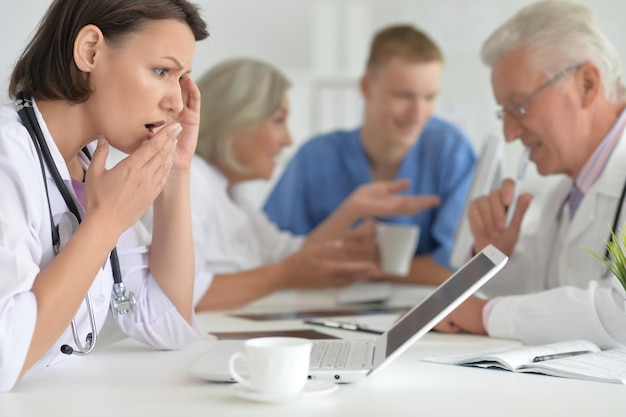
column 122, row 194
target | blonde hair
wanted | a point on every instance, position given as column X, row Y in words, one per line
column 558, row 34
column 402, row 41
column 238, row 94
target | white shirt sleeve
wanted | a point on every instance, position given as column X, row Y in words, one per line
column 156, row 320
column 229, row 236
column 17, row 325
column 22, row 215
column 595, row 313
column 275, row 244
column 552, row 289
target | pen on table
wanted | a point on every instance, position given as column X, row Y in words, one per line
column 559, row 355
column 343, row 325
column 521, row 171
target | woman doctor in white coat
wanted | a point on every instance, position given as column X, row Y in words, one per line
column 240, row 254
column 118, row 71
column 558, row 81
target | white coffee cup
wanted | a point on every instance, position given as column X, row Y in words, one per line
column 276, row 365
column 396, row 245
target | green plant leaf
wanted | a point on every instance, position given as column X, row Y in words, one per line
column 616, row 261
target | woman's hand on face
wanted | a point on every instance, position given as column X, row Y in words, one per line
column 189, row 119
column 382, row 198
column 121, row 195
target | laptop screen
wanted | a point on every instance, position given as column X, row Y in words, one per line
column 437, row 301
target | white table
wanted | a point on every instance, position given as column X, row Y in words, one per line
column 125, row 378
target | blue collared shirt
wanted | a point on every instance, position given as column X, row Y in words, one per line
column 328, row 168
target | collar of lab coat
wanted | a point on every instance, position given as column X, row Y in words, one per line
column 54, row 150
column 58, row 159
column 602, row 198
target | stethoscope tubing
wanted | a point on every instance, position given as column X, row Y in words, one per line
column 123, row 303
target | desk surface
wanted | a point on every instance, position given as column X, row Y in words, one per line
column 125, row 378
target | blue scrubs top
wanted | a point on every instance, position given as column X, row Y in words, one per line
column 328, row 168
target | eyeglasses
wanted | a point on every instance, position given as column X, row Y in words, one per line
column 518, row 110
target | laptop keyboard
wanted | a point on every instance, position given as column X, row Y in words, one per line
column 338, row 354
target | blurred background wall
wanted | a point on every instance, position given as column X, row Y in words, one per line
column 322, row 45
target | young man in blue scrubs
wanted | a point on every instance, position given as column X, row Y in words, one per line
column 399, row 138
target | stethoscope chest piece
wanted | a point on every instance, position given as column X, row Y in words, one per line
column 120, row 302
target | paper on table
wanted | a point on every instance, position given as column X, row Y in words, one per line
column 371, row 323
column 292, row 315
column 304, row 333
column 605, row 366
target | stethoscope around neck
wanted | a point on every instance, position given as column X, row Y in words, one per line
column 120, row 302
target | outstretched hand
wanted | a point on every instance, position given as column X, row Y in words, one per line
column 383, row 199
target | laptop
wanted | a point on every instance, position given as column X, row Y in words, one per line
column 352, row 360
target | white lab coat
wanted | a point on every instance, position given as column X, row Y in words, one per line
column 563, row 291
column 26, row 248
column 230, row 235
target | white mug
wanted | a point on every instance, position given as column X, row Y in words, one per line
column 396, row 244
column 276, row 365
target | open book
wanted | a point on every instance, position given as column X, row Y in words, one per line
column 578, row 359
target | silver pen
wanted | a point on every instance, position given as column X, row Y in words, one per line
column 521, row 171
column 559, row 355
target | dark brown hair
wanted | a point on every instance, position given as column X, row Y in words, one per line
column 46, row 68
column 402, row 41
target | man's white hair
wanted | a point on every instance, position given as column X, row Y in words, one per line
column 557, row 34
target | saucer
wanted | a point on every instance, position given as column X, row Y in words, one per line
column 312, row 388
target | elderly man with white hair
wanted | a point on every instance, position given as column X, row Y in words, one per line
column 558, row 82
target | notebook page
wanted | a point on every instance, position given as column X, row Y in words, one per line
column 512, row 359
column 607, row 366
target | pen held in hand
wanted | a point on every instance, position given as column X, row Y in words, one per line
column 559, row 355
column 521, row 171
